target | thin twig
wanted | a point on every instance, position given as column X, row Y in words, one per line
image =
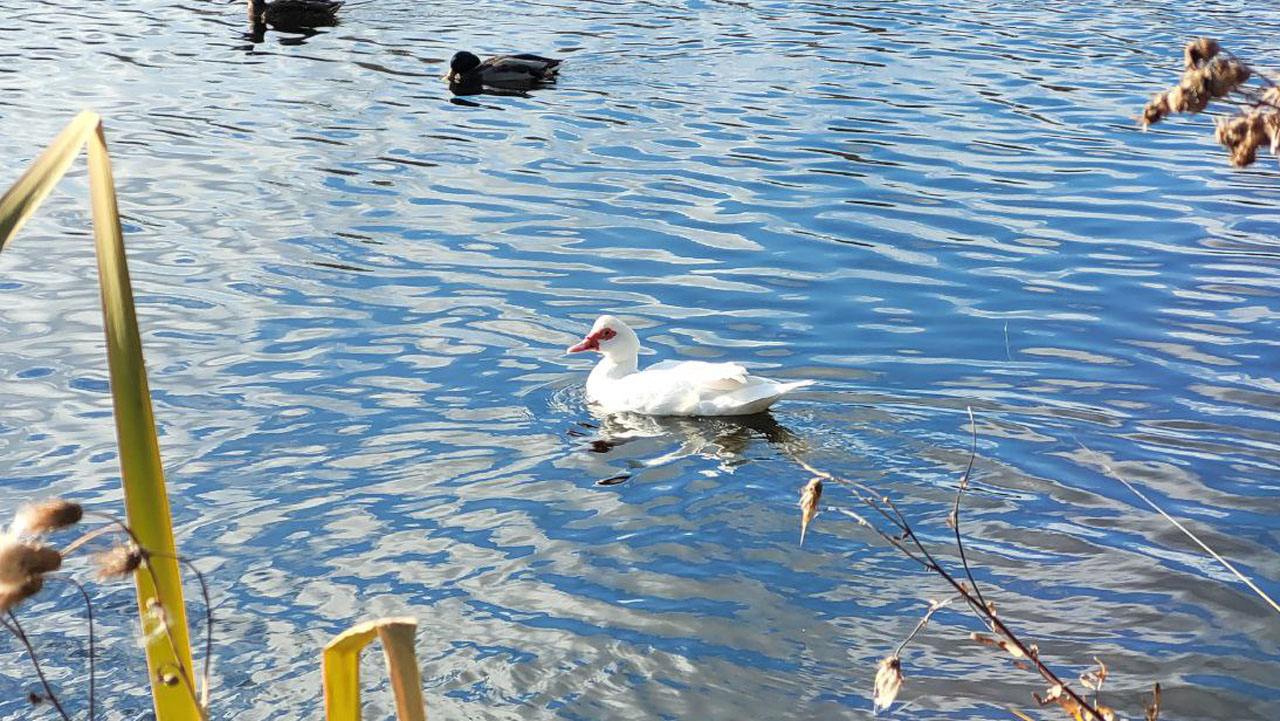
column 1227, row 564
column 86, row 537
column 855, row 487
column 88, row 609
column 955, row 508
column 933, row 608
column 16, row 630
column 889, row 539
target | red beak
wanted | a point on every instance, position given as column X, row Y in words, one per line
column 588, row 343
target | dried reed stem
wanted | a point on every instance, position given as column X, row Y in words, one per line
column 1187, row 532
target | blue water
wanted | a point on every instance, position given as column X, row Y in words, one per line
column 356, row 293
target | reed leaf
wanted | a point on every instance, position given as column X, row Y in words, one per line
column 146, row 501
column 341, row 669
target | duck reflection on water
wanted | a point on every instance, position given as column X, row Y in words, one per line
column 300, row 17
column 647, row 441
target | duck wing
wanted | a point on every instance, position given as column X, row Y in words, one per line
column 699, row 388
column 546, row 62
column 517, row 69
column 712, row 376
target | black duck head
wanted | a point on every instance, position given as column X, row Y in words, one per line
column 461, row 64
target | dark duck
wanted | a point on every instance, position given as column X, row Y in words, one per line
column 294, row 13
column 504, row 71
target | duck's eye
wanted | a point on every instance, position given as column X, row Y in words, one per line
column 607, row 333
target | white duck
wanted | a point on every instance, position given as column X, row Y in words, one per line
column 670, row 388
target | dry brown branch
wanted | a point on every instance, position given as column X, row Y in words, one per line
column 908, row 542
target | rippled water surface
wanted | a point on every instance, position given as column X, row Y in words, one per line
column 357, row 291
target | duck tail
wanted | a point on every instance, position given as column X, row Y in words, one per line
column 785, row 388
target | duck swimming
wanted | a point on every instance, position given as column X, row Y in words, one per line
column 670, row 388
column 511, row 71
column 294, row 13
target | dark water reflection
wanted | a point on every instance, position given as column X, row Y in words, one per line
column 356, row 293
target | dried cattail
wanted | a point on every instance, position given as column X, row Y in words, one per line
column 888, row 682
column 118, row 562
column 20, row 561
column 809, row 498
column 11, row 596
column 1199, row 51
column 46, row 516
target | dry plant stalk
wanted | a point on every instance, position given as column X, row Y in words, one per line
column 889, row 676
column 1209, row 74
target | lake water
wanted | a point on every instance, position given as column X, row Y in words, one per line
column 356, row 294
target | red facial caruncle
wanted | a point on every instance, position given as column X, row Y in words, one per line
column 592, row 341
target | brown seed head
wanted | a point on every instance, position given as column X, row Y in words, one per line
column 1242, row 135
column 1225, row 75
column 118, row 562
column 11, row 596
column 1192, row 94
column 888, row 682
column 809, row 498
column 46, row 516
column 20, row 561
column 1199, row 51
column 1156, row 110
column 1271, row 96
column 1271, row 126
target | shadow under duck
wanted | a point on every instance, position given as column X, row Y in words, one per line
column 509, row 71
column 294, row 13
